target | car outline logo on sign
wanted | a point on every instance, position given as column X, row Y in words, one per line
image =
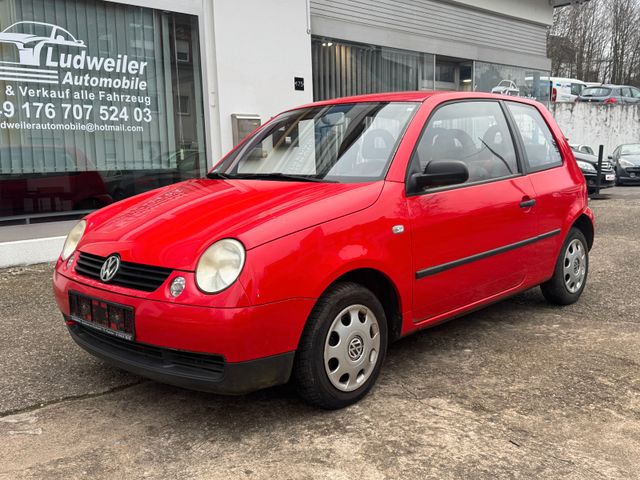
column 109, row 268
column 30, row 66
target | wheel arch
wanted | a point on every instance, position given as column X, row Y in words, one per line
column 384, row 289
column 585, row 224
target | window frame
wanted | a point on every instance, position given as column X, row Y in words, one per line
column 528, row 168
column 516, row 146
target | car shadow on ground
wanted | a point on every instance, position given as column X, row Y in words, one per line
column 429, row 347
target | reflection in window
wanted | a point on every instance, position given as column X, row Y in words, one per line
column 515, row 81
column 60, row 166
column 342, row 69
column 539, row 144
column 475, row 133
column 345, row 143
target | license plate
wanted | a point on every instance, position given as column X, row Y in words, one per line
column 107, row 317
column 610, row 177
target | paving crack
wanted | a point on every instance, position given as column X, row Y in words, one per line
column 70, row 398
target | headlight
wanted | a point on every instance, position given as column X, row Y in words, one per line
column 73, row 239
column 626, row 163
column 586, row 166
column 220, row 265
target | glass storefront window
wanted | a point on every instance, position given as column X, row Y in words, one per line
column 98, row 101
column 508, row 80
column 342, row 69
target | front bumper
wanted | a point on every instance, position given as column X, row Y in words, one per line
column 195, row 371
column 591, row 179
column 255, row 345
column 627, row 180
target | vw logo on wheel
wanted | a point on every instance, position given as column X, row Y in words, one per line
column 110, row 268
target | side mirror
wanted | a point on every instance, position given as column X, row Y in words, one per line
column 440, row 173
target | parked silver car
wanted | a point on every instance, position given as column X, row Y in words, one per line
column 610, row 94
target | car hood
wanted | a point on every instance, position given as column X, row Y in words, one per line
column 635, row 159
column 172, row 226
column 585, row 157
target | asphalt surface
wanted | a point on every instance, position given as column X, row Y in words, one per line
column 518, row 390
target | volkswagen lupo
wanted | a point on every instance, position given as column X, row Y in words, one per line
column 331, row 231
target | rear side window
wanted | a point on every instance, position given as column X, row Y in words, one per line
column 596, row 92
column 626, row 92
column 539, row 145
column 474, row 132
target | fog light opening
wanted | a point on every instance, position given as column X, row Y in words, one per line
column 177, row 286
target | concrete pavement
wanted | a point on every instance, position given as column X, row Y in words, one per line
column 518, row 390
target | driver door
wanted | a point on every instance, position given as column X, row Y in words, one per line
column 469, row 241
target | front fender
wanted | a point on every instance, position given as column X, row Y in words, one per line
column 305, row 263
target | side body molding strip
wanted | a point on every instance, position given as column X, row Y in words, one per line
column 425, row 272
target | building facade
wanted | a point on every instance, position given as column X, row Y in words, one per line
column 101, row 100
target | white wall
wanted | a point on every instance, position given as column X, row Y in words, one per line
column 596, row 125
column 260, row 46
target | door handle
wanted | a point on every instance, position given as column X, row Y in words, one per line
column 528, row 203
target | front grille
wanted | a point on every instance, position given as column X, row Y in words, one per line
column 130, row 275
column 206, row 365
column 607, row 166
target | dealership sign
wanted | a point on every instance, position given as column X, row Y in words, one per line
column 115, row 79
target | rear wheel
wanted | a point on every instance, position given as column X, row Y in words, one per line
column 342, row 347
column 570, row 274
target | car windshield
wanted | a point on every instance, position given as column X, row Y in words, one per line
column 596, row 92
column 633, row 149
column 29, row 28
column 343, row 143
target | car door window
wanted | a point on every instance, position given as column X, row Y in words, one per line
column 626, row 92
column 474, row 132
column 576, row 89
column 635, row 93
column 539, row 145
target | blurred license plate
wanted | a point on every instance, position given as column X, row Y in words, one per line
column 108, row 317
column 609, row 177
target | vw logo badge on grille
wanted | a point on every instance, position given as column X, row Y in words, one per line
column 110, row 268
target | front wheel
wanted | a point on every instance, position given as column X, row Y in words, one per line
column 570, row 274
column 342, row 347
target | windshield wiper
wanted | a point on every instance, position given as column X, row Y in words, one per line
column 506, row 164
column 218, row 176
column 277, row 176
column 266, row 176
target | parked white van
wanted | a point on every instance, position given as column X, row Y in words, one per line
column 565, row 89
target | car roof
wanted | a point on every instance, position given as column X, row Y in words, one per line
column 416, row 96
column 611, row 85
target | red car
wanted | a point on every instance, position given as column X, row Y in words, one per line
column 331, row 231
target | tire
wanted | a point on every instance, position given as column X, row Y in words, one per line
column 571, row 271
column 346, row 334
